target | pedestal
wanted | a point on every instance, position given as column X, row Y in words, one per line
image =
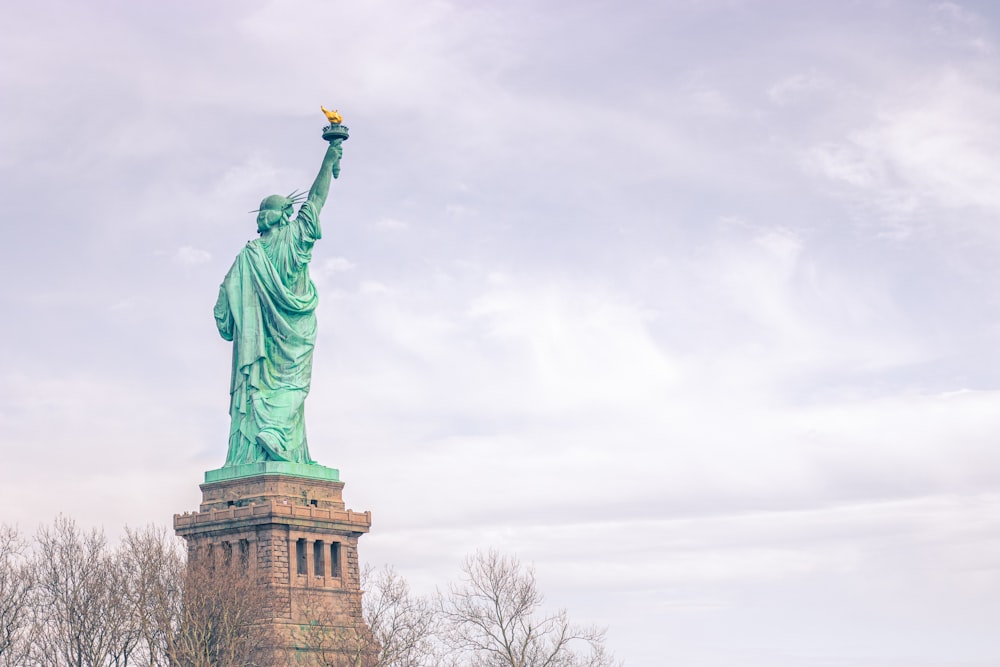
column 296, row 535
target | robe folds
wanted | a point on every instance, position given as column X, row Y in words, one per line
column 267, row 308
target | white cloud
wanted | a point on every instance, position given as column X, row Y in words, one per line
column 113, row 447
column 189, row 255
column 709, row 101
column 936, row 145
column 797, row 87
column 338, row 265
column 583, row 383
column 459, row 210
column 370, row 287
column 392, row 224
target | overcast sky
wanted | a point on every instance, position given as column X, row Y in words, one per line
column 692, row 304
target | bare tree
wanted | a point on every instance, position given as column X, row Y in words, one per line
column 77, row 603
column 403, row 626
column 154, row 562
column 494, row 619
column 396, row 628
column 81, row 617
column 16, row 587
column 221, row 618
column 123, row 638
column 200, row 613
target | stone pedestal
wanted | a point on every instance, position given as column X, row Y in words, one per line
column 297, row 536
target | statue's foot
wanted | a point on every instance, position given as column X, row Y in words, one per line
column 269, row 443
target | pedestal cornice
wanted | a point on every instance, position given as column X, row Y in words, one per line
column 260, row 514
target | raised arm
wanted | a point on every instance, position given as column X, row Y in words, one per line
column 331, row 167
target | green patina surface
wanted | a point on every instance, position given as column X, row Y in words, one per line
column 266, row 307
column 307, row 470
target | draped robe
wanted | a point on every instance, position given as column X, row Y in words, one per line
column 267, row 307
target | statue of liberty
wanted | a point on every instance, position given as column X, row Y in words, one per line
column 267, row 308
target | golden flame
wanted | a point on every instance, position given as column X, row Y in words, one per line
column 333, row 116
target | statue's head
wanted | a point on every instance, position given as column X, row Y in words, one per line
column 274, row 210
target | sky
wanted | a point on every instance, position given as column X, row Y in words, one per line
column 691, row 304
